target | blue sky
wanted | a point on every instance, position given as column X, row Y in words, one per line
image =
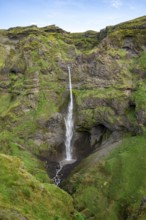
column 71, row 15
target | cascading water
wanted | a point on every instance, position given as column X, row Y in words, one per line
column 69, row 123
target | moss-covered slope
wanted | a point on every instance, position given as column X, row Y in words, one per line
column 24, row 197
column 112, row 188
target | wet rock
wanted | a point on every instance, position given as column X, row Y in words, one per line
column 54, row 121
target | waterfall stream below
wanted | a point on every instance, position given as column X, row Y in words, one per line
column 60, row 172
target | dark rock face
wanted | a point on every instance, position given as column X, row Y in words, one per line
column 81, row 144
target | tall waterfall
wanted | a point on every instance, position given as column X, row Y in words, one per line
column 69, row 123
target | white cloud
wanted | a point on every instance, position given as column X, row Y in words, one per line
column 116, row 3
column 33, row 23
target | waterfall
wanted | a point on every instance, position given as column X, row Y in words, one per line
column 69, row 123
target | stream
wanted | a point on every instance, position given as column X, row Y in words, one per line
column 62, row 170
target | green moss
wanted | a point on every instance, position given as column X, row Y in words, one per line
column 13, row 145
column 100, row 93
column 85, row 41
column 46, row 106
column 142, row 60
column 21, row 192
column 101, row 106
column 139, row 96
column 113, row 188
column 2, row 56
column 117, row 53
column 90, row 117
column 32, row 164
column 4, row 102
column 17, row 85
column 46, row 50
column 131, row 114
column 118, row 35
column 133, row 23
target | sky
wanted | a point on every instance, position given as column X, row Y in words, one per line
column 70, row 15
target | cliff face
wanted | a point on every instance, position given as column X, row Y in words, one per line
column 109, row 88
column 108, row 75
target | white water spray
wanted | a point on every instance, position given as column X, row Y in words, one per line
column 69, row 123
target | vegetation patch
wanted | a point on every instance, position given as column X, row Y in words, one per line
column 2, row 56
column 101, row 93
column 21, row 192
column 113, row 188
column 139, row 96
column 142, row 60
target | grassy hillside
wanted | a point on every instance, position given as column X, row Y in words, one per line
column 113, row 188
column 22, row 196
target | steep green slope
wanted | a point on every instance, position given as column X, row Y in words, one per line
column 114, row 187
column 24, row 197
